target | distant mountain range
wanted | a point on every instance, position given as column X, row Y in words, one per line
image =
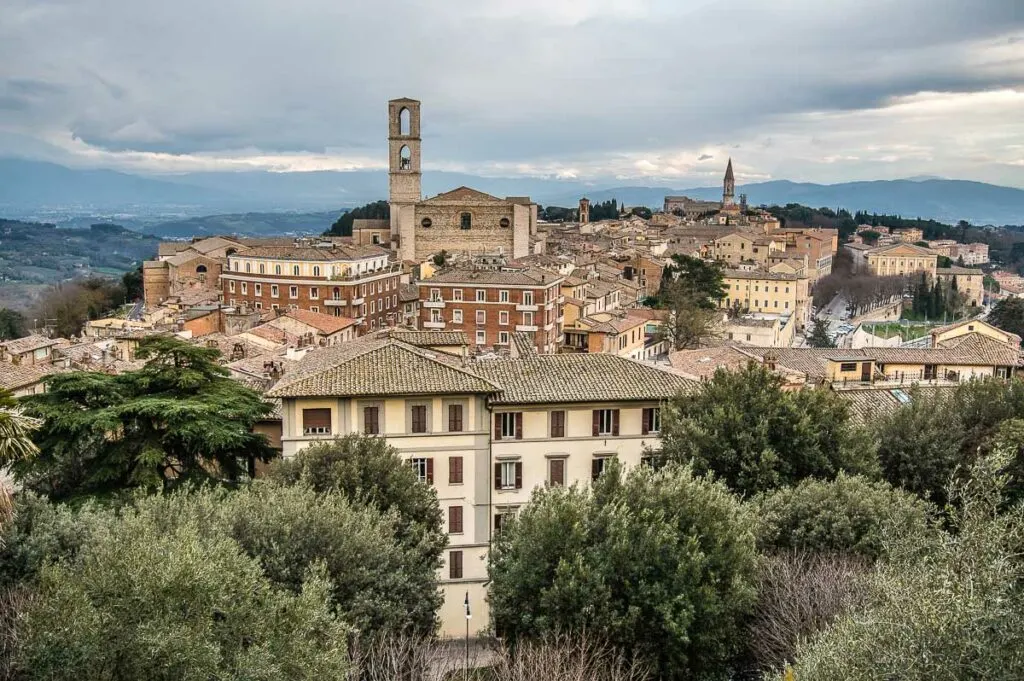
column 48, row 192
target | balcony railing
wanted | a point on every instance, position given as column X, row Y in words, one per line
column 526, row 308
column 439, row 304
column 525, row 327
column 356, row 276
column 433, row 325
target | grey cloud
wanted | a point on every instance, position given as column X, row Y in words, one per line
column 501, row 81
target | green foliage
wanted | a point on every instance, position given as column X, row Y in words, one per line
column 818, row 337
column 943, row 607
column 657, row 563
column 132, row 284
column 42, row 533
column 850, row 514
column 935, row 300
column 556, row 214
column 870, row 236
column 796, row 215
column 1008, row 315
column 146, row 601
column 606, row 210
column 370, row 471
column 177, row 418
column 378, row 210
column 641, row 212
column 700, row 280
column 755, row 436
column 940, row 433
column 12, row 324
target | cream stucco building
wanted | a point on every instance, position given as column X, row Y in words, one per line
column 902, row 259
column 483, row 433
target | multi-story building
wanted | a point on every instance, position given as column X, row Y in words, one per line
column 971, row 254
column 902, row 260
column 342, row 280
column 484, row 434
column 818, row 244
column 759, row 291
column 622, row 332
column 490, row 305
column 969, row 282
column 909, row 235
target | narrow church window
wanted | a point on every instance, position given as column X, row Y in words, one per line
column 405, row 159
column 466, row 221
column 403, row 122
column 427, row 222
column 504, row 222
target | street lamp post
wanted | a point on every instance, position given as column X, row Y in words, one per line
column 468, row 617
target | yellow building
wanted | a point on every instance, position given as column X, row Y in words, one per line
column 621, row 332
column 484, row 434
column 902, row 259
column 766, row 292
column 969, row 282
column 737, row 247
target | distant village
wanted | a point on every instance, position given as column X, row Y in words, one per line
column 464, row 302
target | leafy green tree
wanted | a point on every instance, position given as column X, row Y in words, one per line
column 142, row 601
column 370, row 471
column 818, row 337
column 1008, row 315
column 689, row 323
column 701, row 280
column 178, row 417
column 943, row 607
column 755, row 436
column 379, row 584
column 850, row 514
column 641, row 212
column 657, row 563
column 12, row 324
column 132, row 283
column 378, row 210
column 940, row 433
column 870, row 236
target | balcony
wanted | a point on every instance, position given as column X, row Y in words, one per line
column 548, row 327
column 358, row 301
column 438, row 304
column 331, row 302
column 524, row 327
column 526, row 308
column 433, row 325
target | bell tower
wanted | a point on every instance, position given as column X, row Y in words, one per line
column 729, row 187
column 404, row 151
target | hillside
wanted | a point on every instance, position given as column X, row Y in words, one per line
column 53, row 193
column 253, row 224
column 33, row 253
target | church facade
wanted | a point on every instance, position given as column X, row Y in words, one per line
column 463, row 220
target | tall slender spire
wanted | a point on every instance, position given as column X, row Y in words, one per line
column 729, row 186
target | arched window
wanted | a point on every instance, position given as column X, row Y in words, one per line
column 277, row 269
column 404, row 158
column 201, row 269
column 263, row 268
column 295, row 270
column 230, row 252
column 336, row 293
column 248, row 267
column 404, row 118
column 316, row 270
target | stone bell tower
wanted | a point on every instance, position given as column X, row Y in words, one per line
column 584, row 214
column 729, row 187
column 404, row 176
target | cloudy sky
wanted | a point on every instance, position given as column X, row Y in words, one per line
column 665, row 90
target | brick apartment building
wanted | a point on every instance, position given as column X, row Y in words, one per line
column 489, row 306
column 341, row 280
